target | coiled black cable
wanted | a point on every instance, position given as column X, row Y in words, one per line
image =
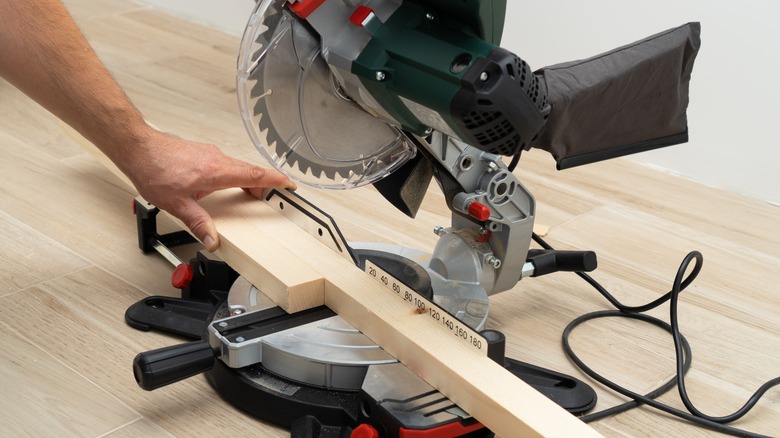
column 682, row 348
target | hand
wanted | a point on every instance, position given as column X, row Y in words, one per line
column 169, row 172
column 174, row 174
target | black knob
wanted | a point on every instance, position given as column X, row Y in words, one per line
column 157, row 368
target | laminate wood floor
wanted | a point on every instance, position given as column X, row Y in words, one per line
column 70, row 265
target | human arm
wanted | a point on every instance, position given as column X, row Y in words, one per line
column 44, row 54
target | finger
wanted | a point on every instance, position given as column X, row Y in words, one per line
column 200, row 223
column 255, row 191
column 242, row 174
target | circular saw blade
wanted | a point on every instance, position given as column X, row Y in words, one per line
column 297, row 116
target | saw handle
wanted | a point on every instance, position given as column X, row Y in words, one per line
column 549, row 261
column 157, row 368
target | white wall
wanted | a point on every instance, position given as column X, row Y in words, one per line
column 734, row 91
column 228, row 15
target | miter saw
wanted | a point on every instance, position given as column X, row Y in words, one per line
column 344, row 93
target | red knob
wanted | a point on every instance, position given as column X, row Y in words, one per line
column 479, row 211
column 181, row 276
column 364, row 431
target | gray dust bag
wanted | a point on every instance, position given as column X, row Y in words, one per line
column 631, row 99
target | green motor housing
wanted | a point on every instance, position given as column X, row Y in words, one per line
column 436, row 64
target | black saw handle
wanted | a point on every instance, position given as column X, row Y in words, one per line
column 548, row 261
column 157, row 368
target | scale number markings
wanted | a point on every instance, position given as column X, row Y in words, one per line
column 424, row 306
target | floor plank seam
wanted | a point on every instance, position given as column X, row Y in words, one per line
column 48, row 280
column 122, row 280
column 128, row 424
column 43, row 235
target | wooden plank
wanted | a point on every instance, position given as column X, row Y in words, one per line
column 268, row 249
column 498, row 399
column 299, row 272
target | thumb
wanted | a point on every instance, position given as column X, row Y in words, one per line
column 200, row 223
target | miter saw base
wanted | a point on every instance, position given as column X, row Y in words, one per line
column 318, row 376
column 391, row 399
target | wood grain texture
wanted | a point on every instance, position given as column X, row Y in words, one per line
column 58, row 201
column 43, row 259
column 35, row 382
column 263, row 246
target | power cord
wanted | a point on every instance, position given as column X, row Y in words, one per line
column 682, row 349
column 515, row 159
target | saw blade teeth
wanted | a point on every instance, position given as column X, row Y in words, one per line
column 257, row 89
column 330, row 173
column 258, row 110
